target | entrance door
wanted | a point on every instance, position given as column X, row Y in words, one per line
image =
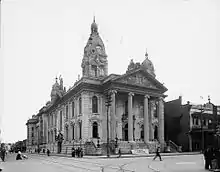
column 125, row 132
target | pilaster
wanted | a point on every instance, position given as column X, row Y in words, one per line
column 161, row 120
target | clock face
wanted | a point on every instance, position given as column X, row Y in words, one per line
column 98, row 48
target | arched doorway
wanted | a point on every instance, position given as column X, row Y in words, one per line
column 125, row 132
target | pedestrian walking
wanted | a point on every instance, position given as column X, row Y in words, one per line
column 18, row 157
column 157, row 154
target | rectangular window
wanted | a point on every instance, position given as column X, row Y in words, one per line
column 32, row 134
column 32, row 128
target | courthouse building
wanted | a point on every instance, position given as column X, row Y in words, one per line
column 136, row 114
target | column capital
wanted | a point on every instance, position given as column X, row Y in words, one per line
column 161, row 98
column 131, row 94
column 146, row 96
column 114, row 91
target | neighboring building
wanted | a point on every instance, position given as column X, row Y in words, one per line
column 136, row 114
column 184, row 128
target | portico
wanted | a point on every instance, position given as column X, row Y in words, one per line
column 132, row 112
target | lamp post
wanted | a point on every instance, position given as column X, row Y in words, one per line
column 134, row 127
column 108, row 104
column 202, row 131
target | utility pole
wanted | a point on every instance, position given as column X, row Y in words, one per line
column 202, row 132
column 108, row 104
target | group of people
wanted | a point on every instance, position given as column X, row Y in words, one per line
column 77, row 152
column 212, row 158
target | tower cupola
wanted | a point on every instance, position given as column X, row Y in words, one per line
column 94, row 62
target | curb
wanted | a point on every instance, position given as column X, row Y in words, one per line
column 116, row 156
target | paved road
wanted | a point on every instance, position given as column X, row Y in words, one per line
column 36, row 163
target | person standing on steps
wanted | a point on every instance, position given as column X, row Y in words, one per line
column 157, row 154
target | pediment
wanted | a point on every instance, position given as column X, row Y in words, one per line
column 140, row 78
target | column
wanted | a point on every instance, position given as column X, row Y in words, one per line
column 190, row 142
column 146, row 119
column 113, row 116
column 130, row 118
column 150, row 120
column 161, row 120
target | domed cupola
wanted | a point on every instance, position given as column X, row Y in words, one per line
column 94, row 27
column 57, row 90
column 148, row 65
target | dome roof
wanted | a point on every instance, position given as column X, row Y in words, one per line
column 148, row 65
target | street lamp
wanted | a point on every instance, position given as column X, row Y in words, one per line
column 202, row 132
column 108, row 104
column 134, row 127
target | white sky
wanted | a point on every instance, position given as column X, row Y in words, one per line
column 41, row 39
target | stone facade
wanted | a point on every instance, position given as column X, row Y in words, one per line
column 136, row 113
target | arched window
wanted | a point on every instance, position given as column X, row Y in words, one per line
column 94, row 104
column 95, row 130
column 142, row 132
column 61, row 120
column 73, row 130
column 80, row 130
column 73, row 107
column 67, row 112
column 80, row 105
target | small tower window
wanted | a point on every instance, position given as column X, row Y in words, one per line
column 94, row 69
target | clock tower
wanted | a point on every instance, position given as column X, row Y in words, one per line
column 94, row 63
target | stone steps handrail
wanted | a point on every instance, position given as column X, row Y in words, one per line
column 171, row 143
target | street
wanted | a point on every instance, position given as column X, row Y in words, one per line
column 36, row 163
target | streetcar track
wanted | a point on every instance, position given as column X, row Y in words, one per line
column 97, row 165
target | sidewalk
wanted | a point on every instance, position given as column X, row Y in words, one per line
column 123, row 155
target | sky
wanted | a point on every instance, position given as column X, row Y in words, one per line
column 42, row 39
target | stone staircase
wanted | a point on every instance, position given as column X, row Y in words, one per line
column 174, row 147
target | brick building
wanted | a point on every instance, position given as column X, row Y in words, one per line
column 191, row 126
column 79, row 115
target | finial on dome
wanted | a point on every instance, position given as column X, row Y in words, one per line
column 146, row 54
column 56, row 78
column 209, row 99
column 94, row 19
